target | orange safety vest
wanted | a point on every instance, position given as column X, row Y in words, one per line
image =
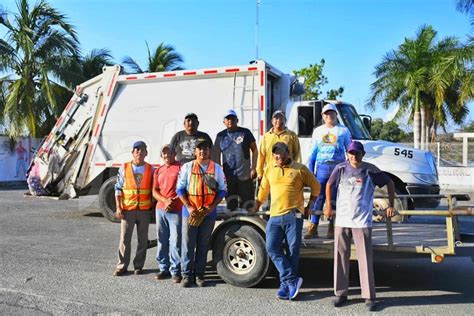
column 199, row 194
column 133, row 197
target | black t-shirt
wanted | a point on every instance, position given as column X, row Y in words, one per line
column 185, row 144
column 235, row 149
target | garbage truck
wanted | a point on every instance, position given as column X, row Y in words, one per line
column 92, row 138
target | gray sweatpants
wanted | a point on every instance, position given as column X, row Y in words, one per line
column 342, row 252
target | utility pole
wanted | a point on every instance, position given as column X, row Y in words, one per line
column 256, row 29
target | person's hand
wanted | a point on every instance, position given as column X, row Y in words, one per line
column 168, row 203
column 119, row 213
column 259, row 178
column 253, row 209
column 307, row 211
column 328, row 212
column 390, row 212
column 191, row 209
column 253, row 173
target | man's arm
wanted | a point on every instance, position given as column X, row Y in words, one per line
column 157, row 194
column 216, row 152
column 253, row 168
column 296, row 148
column 310, row 180
column 263, row 192
column 391, row 198
column 118, row 194
column 333, row 179
column 182, row 187
column 261, row 158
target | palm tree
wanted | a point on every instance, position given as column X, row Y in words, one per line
column 164, row 58
column 427, row 80
column 38, row 42
column 87, row 66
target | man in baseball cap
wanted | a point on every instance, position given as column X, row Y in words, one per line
column 236, row 150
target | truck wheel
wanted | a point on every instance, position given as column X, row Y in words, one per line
column 381, row 204
column 240, row 255
column 107, row 199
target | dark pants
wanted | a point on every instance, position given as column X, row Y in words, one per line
column 342, row 253
column 240, row 193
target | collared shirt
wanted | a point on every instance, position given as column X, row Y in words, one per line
column 270, row 138
column 164, row 181
column 285, row 184
column 184, row 180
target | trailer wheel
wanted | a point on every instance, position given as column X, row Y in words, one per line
column 240, row 255
column 107, row 199
column 381, row 204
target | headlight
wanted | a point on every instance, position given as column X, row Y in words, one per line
column 427, row 178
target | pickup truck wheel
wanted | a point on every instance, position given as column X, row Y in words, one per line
column 381, row 204
column 240, row 255
column 107, row 199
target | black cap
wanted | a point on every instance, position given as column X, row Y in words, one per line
column 279, row 148
column 191, row 115
column 203, row 143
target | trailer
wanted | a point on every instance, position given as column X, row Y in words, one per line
column 240, row 258
column 92, row 138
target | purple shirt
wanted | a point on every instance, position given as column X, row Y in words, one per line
column 355, row 193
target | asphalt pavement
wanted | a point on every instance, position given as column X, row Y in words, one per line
column 57, row 257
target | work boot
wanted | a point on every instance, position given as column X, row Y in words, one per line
column 370, row 305
column 330, row 233
column 312, row 231
column 339, row 301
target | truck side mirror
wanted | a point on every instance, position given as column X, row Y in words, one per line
column 367, row 119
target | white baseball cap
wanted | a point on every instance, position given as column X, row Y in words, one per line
column 329, row 107
column 230, row 113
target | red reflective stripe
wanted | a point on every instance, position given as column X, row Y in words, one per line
column 100, row 164
column 206, row 72
column 252, row 68
column 131, row 78
column 103, row 109
column 150, row 77
column 232, row 70
column 60, row 119
column 68, row 105
column 169, row 75
column 262, row 103
column 116, row 165
column 96, row 130
column 261, row 127
column 189, row 73
column 111, row 85
column 262, row 81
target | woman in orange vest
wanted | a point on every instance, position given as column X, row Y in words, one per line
column 133, row 196
column 201, row 186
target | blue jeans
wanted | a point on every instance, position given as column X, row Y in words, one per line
column 323, row 172
column 168, row 232
column 279, row 228
column 195, row 247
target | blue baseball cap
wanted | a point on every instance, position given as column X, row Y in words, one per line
column 139, row 144
column 356, row 146
column 230, row 113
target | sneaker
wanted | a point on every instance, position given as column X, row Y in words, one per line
column 312, row 231
column 176, row 279
column 162, row 275
column 339, row 301
column 370, row 305
column 187, row 282
column 200, row 281
column 283, row 293
column 294, row 287
column 330, row 233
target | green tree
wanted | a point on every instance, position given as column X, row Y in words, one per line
column 469, row 128
column 314, row 80
column 389, row 131
column 88, row 66
column 164, row 58
column 39, row 41
column 466, row 7
column 428, row 80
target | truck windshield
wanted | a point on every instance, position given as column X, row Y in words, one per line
column 352, row 121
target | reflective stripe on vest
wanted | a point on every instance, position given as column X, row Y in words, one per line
column 199, row 194
column 133, row 197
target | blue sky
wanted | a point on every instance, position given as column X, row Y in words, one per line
column 351, row 35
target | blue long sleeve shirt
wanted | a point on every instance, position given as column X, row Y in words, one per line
column 329, row 145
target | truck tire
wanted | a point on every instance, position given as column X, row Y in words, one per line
column 107, row 199
column 240, row 255
column 381, row 204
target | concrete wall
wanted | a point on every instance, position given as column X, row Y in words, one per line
column 456, row 178
column 12, row 169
